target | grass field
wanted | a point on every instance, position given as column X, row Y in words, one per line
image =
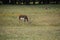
column 44, row 22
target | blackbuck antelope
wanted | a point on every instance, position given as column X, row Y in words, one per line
column 23, row 18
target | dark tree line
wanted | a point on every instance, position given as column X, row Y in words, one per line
column 28, row 1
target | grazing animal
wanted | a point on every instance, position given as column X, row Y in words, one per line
column 23, row 18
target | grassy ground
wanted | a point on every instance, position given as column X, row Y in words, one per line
column 44, row 22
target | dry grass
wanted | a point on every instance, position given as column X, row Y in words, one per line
column 44, row 24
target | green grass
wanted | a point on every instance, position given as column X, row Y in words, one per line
column 44, row 23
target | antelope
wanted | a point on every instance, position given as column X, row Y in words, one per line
column 23, row 18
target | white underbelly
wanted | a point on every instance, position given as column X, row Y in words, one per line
column 22, row 19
